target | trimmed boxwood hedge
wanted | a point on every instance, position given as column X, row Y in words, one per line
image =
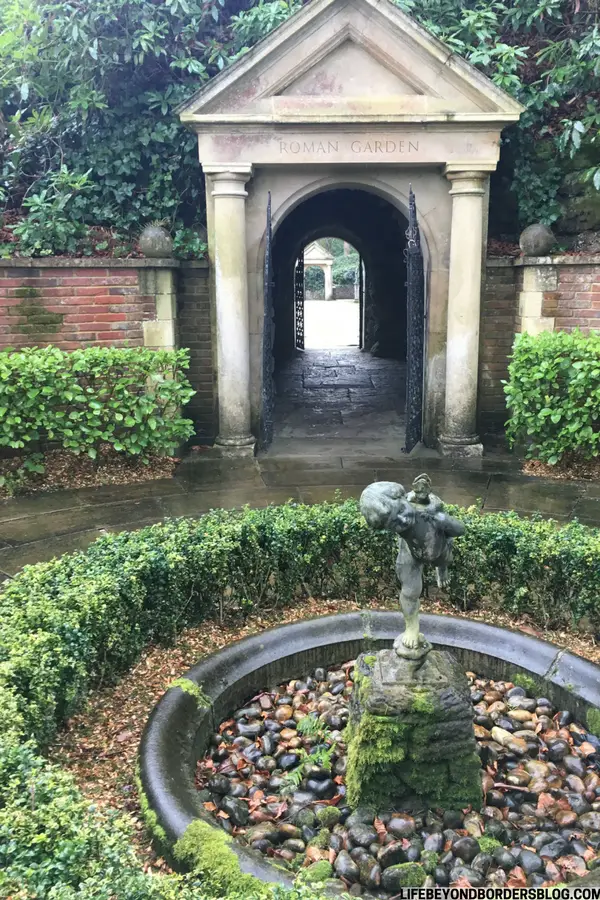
column 67, row 624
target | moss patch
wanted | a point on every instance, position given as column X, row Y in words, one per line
column 317, row 873
column 207, row 852
column 39, row 320
column 593, row 720
column 328, row 816
column 150, row 818
column 488, row 844
column 194, row 690
column 409, row 874
column 528, row 683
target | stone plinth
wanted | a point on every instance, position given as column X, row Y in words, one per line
column 411, row 740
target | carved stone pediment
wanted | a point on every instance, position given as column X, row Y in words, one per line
column 340, row 61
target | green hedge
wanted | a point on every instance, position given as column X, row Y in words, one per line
column 553, row 395
column 129, row 398
column 66, row 625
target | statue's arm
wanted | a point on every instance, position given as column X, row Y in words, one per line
column 450, row 526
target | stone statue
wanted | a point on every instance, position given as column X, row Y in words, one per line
column 425, row 536
column 410, row 733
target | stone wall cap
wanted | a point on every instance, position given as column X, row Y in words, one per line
column 86, row 262
column 91, row 262
column 592, row 259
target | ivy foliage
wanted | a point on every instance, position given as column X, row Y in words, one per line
column 128, row 398
column 81, row 620
column 553, row 395
column 91, row 91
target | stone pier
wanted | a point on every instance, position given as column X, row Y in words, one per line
column 411, row 740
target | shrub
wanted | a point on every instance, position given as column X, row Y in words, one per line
column 128, row 398
column 70, row 623
column 553, row 395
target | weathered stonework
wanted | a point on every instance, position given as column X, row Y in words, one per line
column 411, row 741
column 353, row 94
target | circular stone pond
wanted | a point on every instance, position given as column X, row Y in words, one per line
column 251, row 740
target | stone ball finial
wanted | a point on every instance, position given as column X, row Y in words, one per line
column 537, row 240
column 155, row 242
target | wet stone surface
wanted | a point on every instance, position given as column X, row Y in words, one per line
column 274, row 777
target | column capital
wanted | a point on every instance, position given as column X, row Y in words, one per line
column 228, row 180
column 468, row 178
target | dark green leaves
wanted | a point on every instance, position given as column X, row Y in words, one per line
column 130, row 398
column 553, row 395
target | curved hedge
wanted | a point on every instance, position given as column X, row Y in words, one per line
column 67, row 624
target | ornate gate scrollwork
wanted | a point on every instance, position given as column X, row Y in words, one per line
column 415, row 319
column 299, row 301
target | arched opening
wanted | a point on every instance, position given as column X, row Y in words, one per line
column 331, row 295
column 353, row 390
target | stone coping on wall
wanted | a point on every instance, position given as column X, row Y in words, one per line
column 500, row 262
column 182, row 723
column 102, row 262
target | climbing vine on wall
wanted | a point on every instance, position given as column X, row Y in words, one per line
column 92, row 90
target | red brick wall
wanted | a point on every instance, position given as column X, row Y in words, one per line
column 496, row 336
column 72, row 306
column 576, row 303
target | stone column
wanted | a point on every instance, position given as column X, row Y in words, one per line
column 231, row 290
column 328, row 276
column 464, row 300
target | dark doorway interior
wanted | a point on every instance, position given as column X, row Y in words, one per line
column 336, row 399
column 377, row 230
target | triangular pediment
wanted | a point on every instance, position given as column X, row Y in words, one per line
column 349, row 60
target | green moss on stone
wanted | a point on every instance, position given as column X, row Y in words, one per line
column 528, row 683
column 422, row 703
column 206, row 851
column 488, row 844
column 429, row 860
column 328, row 816
column 39, row 320
column 149, row 816
column 593, row 720
column 410, row 874
column 320, row 840
column 27, row 292
column 370, row 660
column 316, row 873
column 195, row 690
column 377, row 745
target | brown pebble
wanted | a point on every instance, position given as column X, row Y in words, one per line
column 282, row 713
column 565, row 818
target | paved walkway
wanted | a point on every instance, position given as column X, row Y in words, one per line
column 338, row 402
column 40, row 527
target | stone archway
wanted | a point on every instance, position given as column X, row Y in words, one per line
column 350, row 91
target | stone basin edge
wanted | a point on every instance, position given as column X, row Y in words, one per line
column 180, row 725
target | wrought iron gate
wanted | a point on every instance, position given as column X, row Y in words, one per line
column 361, row 305
column 415, row 318
column 268, row 385
column 299, row 301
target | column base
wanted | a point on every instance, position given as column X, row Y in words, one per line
column 242, row 445
column 467, row 447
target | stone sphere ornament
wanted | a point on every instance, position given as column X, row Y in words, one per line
column 155, row 242
column 537, row 240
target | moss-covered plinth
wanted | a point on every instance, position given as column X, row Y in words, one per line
column 411, row 738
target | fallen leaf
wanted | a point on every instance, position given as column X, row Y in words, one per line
column 517, row 878
column 124, row 736
column 210, row 806
column 222, row 814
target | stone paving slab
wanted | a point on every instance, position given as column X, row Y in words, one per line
column 40, row 527
column 70, row 521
